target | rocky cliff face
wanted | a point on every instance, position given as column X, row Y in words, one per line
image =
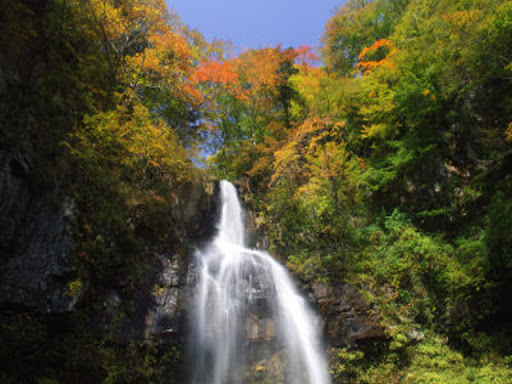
column 36, row 237
column 97, row 330
column 35, row 241
column 157, row 309
column 349, row 319
column 160, row 313
column 160, row 304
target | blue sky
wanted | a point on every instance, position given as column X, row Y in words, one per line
column 258, row 23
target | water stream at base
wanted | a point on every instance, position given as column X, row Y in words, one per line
column 238, row 287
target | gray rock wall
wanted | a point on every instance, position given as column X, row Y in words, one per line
column 35, row 241
column 349, row 319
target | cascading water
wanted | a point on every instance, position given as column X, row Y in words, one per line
column 235, row 283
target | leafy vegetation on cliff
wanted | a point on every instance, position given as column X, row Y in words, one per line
column 388, row 167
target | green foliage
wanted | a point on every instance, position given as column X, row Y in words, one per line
column 136, row 363
column 431, row 361
column 498, row 231
column 434, row 361
column 357, row 24
column 371, row 364
column 75, row 288
column 423, row 281
column 47, row 350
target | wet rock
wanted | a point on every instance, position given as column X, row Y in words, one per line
column 155, row 313
column 197, row 213
column 257, row 329
column 171, row 271
column 164, row 321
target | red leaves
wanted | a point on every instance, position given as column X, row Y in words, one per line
column 215, row 72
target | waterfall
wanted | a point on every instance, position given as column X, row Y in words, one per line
column 240, row 289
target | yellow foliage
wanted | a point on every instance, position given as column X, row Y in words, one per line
column 378, row 110
column 129, row 137
column 374, row 130
column 322, row 91
column 140, row 44
column 116, row 19
column 314, row 137
column 286, row 161
column 108, row 17
column 260, row 68
column 462, row 19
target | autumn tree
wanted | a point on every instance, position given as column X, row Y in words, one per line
column 356, row 24
column 249, row 100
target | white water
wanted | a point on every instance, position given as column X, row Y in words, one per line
column 237, row 284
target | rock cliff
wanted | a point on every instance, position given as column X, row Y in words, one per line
column 349, row 319
column 38, row 240
column 35, row 241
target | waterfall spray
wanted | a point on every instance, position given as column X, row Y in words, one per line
column 233, row 281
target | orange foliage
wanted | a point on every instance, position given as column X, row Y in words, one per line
column 167, row 60
column 367, row 66
column 167, row 51
column 218, row 73
column 215, row 72
column 305, row 56
column 192, row 94
column 260, row 68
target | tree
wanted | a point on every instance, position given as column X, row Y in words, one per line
column 358, row 23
